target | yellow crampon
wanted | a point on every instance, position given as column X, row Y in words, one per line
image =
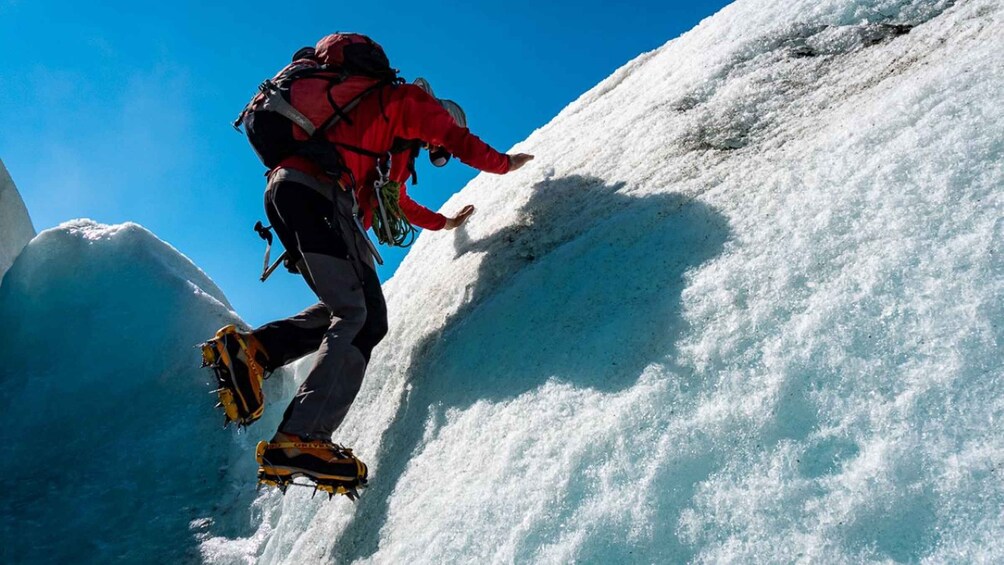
column 345, row 476
column 235, row 360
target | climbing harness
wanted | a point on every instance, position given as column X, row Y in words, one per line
column 356, row 215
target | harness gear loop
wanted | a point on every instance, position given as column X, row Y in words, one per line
column 359, row 226
column 381, row 225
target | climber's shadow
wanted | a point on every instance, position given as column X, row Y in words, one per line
column 585, row 289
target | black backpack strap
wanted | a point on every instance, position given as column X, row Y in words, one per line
column 413, row 147
column 411, row 163
column 341, row 112
column 358, row 150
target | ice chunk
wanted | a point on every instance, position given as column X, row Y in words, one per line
column 15, row 224
column 114, row 450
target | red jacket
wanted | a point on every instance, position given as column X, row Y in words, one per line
column 392, row 112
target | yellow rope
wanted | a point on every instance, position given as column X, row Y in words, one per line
column 398, row 232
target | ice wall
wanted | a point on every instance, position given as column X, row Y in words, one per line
column 745, row 306
column 15, row 224
column 113, row 450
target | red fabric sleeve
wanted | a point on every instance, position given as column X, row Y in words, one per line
column 424, row 118
column 420, row 215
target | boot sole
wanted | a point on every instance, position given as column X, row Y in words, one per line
column 279, row 472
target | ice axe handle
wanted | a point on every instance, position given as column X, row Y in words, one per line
column 268, row 272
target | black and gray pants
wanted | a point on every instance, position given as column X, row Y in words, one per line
column 351, row 317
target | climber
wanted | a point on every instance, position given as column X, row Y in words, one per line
column 338, row 131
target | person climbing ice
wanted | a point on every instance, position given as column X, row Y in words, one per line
column 339, row 132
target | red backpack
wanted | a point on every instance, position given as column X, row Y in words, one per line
column 269, row 117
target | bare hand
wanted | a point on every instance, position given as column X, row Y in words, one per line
column 459, row 219
column 518, row 160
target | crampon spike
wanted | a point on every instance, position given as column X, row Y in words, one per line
column 238, row 373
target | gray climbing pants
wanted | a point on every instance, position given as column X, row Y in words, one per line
column 346, row 324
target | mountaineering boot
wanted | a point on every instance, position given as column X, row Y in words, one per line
column 238, row 360
column 332, row 468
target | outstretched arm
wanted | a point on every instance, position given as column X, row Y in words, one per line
column 424, row 118
column 420, row 215
column 425, row 218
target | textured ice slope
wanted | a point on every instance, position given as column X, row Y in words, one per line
column 15, row 224
column 113, row 452
column 745, row 306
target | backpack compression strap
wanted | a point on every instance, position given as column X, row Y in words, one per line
column 340, row 112
column 274, row 102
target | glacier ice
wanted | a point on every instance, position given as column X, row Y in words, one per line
column 15, row 224
column 114, row 452
column 744, row 306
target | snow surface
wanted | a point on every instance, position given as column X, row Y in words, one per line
column 114, row 452
column 745, row 306
column 15, row 224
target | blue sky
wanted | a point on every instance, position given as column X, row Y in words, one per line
column 121, row 111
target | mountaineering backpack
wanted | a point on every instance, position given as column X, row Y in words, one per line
column 269, row 117
column 272, row 123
